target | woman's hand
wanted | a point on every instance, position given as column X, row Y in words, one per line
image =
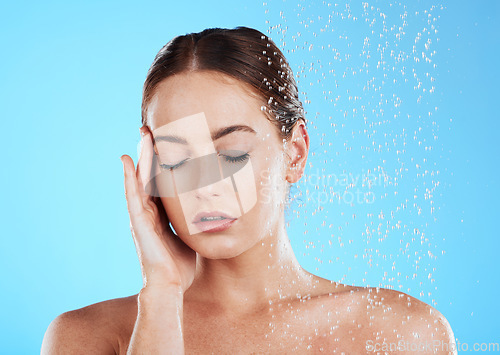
column 165, row 259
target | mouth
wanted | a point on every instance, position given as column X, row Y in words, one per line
column 214, row 221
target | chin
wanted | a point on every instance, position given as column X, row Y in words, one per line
column 220, row 247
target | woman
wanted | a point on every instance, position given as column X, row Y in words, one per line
column 223, row 138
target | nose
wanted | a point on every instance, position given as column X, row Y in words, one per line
column 207, row 176
column 200, row 175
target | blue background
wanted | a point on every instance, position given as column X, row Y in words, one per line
column 71, row 76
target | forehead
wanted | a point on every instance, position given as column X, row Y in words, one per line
column 222, row 99
column 192, row 129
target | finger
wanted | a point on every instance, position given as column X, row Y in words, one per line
column 147, row 248
column 134, row 201
column 162, row 214
column 144, row 168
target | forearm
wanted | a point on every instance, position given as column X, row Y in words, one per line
column 159, row 325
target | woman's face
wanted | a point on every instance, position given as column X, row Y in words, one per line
column 222, row 165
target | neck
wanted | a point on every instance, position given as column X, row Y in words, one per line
column 265, row 273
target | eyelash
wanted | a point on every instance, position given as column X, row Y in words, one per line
column 227, row 158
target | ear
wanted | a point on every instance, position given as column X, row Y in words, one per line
column 297, row 151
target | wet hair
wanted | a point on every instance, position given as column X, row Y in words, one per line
column 243, row 53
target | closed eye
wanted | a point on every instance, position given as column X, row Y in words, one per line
column 229, row 159
column 172, row 167
column 238, row 159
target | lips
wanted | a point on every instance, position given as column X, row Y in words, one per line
column 200, row 217
column 213, row 222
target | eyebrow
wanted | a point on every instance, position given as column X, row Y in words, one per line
column 216, row 135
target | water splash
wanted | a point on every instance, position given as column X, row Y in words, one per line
column 367, row 77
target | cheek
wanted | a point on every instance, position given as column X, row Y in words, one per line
column 246, row 185
column 171, row 202
column 174, row 214
column 270, row 182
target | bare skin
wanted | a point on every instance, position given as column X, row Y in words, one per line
column 321, row 323
column 241, row 291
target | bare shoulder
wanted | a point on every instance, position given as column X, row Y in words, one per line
column 101, row 327
column 324, row 288
column 385, row 320
column 407, row 322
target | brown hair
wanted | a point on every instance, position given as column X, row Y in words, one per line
column 242, row 53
